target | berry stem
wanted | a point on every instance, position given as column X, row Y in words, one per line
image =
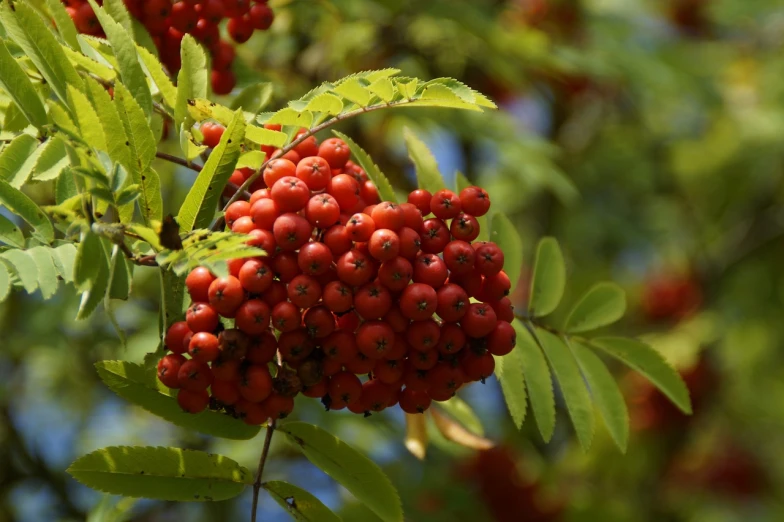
column 262, row 462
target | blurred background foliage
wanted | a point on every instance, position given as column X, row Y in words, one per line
column 647, row 135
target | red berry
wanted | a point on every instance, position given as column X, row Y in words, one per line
column 240, row 29
column 502, row 339
column 445, row 204
column 175, row 335
column 295, row 346
column 291, row 194
column 477, row 367
column 255, row 276
column 207, row 33
column 397, row 320
column 278, row 406
column 479, row 320
column 452, row 339
column 237, row 210
column 395, row 274
column 340, row 345
column 315, row 172
column 261, row 16
column 337, row 239
column 275, row 294
column 226, row 392
column 308, row 147
column 222, row 56
column 377, row 395
column 375, row 339
column 192, row 401
column 414, row 401
column 418, row 302
column 464, row 227
column 410, row 243
column 355, row 268
column 489, row 258
column 255, row 383
column 475, row 201
column 372, row 301
column 243, row 225
column 322, row 211
column 388, row 215
column 496, row 287
column 345, row 190
column 201, row 317
column 264, row 212
column 224, row 369
column 434, row 236
column 203, row 347
column 304, row 291
column 360, row 227
column 251, row 413
column 345, row 386
column 212, row 133
column 389, row 371
column 459, row 257
column 278, row 168
column 262, row 349
column 319, row 322
column 168, row 367
column 452, row 302
column 421, row 198
column 253, row 317
column 423, row 360
column 430, row 270
column 412, row 217
column 384, row 245
column 184, row 17
column 226, row 295
column 504, row 310
column 314, row 259
column 423, row 335
column 291, row 231
column 335, row 152
column 194, row 376
column 286, row 317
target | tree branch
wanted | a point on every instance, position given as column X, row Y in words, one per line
column 262, row 462
column 179, row 161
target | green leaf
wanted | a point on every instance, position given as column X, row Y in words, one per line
column 407, row 89
column 47, row 276
column 192, row 79
column 253, row 160
column 90, row 65
column 52, row 161
column 142, row 146
column 18, row 86
column 441, row 96
column 603, row 304
column 159, row 76
column 24, row 267
column 120, row 275
column 10, row 234
column 22, row 206
column 464, row 92
column 570, row 380
column 538, row 381
column 358, row 474
column 87, row 119
column 605, row 393
column 383, row 88
column 650, row 363
column 301, row 505
column 253, row 98
column 26, row 27
column 94, row 295
column 127, row 59
column 385, row 190
column 87, row 261
column 161, row 473
column 65, row 25
column 354, row 91
column 427, row 173
column 172, row 298
column 116, row 9
column 325, row 102
column 505, row 235
column 548, row 280
column 288, row 116
column 460, row 411
column 510, row 374
column 5, row 282
column 64, row 258
column 14, row 167
column 129, row 381
column 198, row 209
column 60, row 117
column 484, row 225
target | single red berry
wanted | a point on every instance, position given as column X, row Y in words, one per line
column 400, row 349
column 345, row 190
column 262, row 349
column 375, row 339
column 464, row 227
column 376, row 395
column 496, row 287
column 314, row 259
column 237, row 210
column 395, row 274
column 192, row 401
column 388, row 215
column 389, row 371
column 355, row 268
column 304, row 291
column 502, row 339
column 226, row 295
column 452, row 339
column 253, row 317
column 263, row 239
column 315, row 172
column 278, row 168
column 434, row 236
column 410, row 243
column 201, row 317
column 222, row 56
column 445, row 204
column 412, row 217
column 194, row 376
column 285, row 266
column 489, row 258
column 251, row 413
column 276, row 293
column 452, row 302
column 397, row 320
column 421, row 198
column 291, row 231
column 207, row 32
column 291, row 194
column 348, row 321
column 225, row 369
column 261, row 16
column 168, row 367
column 322, row 211
column 430, row 270
column 414, row 401
column 318, row 390
column 345, row 386
column 470, row 282
column 369, row 192
column 240, row 29
column 335, row 152
column 423, row 335
column 384, row 245
column 479, row 320
column 184, row 17
column 372, row 301
column 360, row 227
column 212, row 133
column 338, row 297
column 212, row 10
column 255, row 276
column 319, row 322
column 423, row 360
column 337, row 239
column 243, row 225
column 475, row 201
column 286, row 317
column 255, row 383
column 175, row 335
column 340, row 345
column 233, row 343
column 226, row 392
column 295, row 346
column 203, row 347
column 414, row 379
column 307, row 147
column 418, row 301
column 264, row 212
column 278, row 407
column 477, row 367
column 459, row 257
column 504, row 310
column 443, row 381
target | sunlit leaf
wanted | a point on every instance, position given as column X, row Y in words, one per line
column 301, row 505
column 24, row 207
column 47, row 276
column 161, row 473
column 538, row 381
column 603, row 304
column 510, row 373
column 23, row 267
column 18, row 86
column 548, row 280
column 10, row 234
column 14, row 166
column 192, row 79
column 427, row 172
column 65, row 26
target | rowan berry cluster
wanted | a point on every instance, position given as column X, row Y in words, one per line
column 168, row 22
column 351, row 287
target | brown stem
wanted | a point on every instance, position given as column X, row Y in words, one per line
column 178, row 161
column 262, row 462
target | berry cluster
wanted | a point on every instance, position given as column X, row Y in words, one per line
column 168, row 22
column 352, row 287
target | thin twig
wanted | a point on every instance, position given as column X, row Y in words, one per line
column 262, row 462
column 179, row 161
